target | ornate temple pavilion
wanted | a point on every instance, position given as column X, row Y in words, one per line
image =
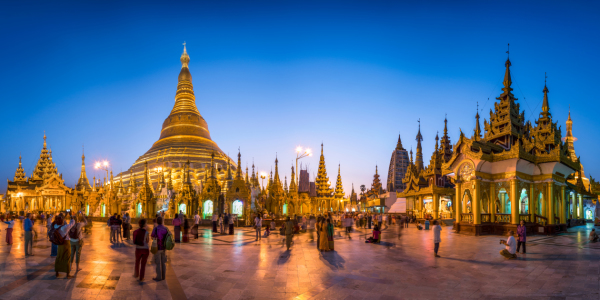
column 516, row 171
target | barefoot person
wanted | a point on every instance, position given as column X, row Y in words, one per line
column 76, row 238
column 437, row 239
column 63, row 257
column 511, row 246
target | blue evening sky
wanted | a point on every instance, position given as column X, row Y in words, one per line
column 271, row 76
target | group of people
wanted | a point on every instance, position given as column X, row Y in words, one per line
column 222, row 221
column 116, row 223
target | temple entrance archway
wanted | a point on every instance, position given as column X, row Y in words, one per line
column 207, row 212
column 237, row 207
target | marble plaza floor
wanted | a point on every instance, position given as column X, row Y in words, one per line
column 237, row 267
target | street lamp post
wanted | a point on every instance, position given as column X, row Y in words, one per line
column 301, row 153
column 262, row 181
column 103, row 166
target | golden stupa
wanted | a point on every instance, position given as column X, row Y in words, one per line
column 184, row 136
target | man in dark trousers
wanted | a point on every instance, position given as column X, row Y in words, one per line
column 369, row 219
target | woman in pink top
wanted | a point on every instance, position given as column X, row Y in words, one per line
column 177, row 225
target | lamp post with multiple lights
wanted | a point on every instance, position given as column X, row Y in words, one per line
column 301, row 153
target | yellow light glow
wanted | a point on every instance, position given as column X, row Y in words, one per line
column 309, row 151
column 97, row 165
column 105, row 163
column 299, row 149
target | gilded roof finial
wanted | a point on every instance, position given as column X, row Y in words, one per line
column 185, row 58
column 477, row 135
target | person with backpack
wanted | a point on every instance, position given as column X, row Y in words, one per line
column 58, row 236
column 76, row 238
column 141, row 238
column 159, row 233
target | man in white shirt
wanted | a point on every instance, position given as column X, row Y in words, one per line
column 511, row 246
column 215, row 218
column 195, row 229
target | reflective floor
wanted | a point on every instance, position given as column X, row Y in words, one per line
column 237, row 267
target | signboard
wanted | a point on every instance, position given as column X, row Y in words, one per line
column 53, row 193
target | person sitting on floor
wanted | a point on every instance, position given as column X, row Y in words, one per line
column 511, row 246
column 267, row 231
column 593, row 236
column 419, row 226
column 375, row 237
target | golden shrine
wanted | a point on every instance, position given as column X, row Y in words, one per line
column 516, row 172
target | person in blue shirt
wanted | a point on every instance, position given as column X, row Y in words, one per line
column 28, row 228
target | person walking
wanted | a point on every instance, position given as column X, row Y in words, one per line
column 369, row 219
column 215, row 219
column 113, row 228
column 522, row 234
column 222, row 229
column 11, row 223
column 28, row 228
column 62, row 263
column 177, row 227
column 258, row 226
column 330, row 234
column 126, row 226
column 437, row 239
column 76, row 239
column 289, row 233
column 141, row 238
column 185, row 237
column 323, row 241
column 160, row 258
column 48, row 222
column 118, row 224
column 196, row 225
column 231, row 224
column 311, row 227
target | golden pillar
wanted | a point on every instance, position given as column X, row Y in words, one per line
column 476, row 202
column 551, row 203
column 575, row 206
column 514, row 202
column 458, row 202
column 564, row 207
column 530, row 202
column 436, row 206
column 493, row 198
column 580, row 206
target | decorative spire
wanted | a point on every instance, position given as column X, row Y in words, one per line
column 569, row 139
column 507, row 82
column 419, row 162
column 276, row 179
column 83, row 183
column 545, row 107
column 437, row 138
column 411, row 155
column 20, row 173
column 322, row 180
column 446, row 145
column 339, row 189
column 293, row 186
column 185, row 58
column 376, row 185
column 477, row 135
column 399, row 144
column 229, row 175
column 238, row 174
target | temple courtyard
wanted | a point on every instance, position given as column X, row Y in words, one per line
column 236, row 267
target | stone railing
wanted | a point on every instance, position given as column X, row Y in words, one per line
column 466, row 217
column 525, row 217
column 503, row 218
column 486, row 218
column 541, row 220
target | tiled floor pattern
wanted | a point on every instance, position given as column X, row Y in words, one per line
column 237, row 267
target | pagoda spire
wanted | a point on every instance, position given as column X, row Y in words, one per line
column 229, row 175
column 446, row 145
column 247, row 179
column 83, row 183
column 399, row 144
column 376, row 185
column 419, row 162
column 411, row 155
column 339, row 188
column 322, row 180
column 569, row 139
column 507, row 82
column 238, row 173
column 293, row 186
column 285, row 185
column 545, row 107
column 477, row 130
column 20, row 173
column 94, row 184
column 276, row 179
